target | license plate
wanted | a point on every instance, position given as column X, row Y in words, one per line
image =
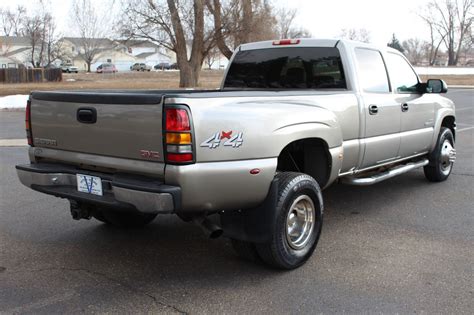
column 89, row 184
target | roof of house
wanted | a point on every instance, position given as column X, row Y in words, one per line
column 145, row 54
column 99, row 42
column 15, row 40
column 16, row 51
column 136, row 42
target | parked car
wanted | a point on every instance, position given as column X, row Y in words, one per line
column 106, row 68
column 69, row 68
column 140, row 67
column 247, row 161
column 163, row 66
column 174, row 66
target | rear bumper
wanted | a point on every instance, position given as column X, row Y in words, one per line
column 120, row 191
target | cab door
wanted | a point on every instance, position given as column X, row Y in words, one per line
column 381, row 109
column 417, row 110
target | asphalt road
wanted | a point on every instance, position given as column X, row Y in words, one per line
column 402, row 246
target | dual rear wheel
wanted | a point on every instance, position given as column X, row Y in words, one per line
column 299, row 218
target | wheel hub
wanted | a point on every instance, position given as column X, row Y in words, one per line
column 300, row 222
column 447, row 156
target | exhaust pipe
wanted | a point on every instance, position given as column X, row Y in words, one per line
column 210, row 228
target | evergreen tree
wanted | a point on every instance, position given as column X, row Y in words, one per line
column 395, row 43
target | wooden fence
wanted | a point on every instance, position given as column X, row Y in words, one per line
column 27, row 75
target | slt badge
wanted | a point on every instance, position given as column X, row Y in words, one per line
column 215, row 140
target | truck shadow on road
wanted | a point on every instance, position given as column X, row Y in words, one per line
column 171, row 248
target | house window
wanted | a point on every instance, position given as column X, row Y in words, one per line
column 109, row 60
column 73, row 48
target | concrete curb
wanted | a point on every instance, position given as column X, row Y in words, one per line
column 12, row 109
column 460, row 87
column 13, row 143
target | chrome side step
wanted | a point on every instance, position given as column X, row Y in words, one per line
column 401, row 169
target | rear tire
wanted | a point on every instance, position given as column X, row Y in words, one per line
column 299, row 218
column 442, row 157
column 125, row 219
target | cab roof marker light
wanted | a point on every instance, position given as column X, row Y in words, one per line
column 282, row 42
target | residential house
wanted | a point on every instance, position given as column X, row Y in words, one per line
column 108, row 51
column 148, row 52
column 14, row 51
column 6, row 62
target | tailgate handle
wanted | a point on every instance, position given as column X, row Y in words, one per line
column 86, row 115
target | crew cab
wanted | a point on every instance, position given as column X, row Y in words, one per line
column 250, row 159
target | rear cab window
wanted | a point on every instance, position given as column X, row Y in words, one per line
column 287, row 68
column 372, row 72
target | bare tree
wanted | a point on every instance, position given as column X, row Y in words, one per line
column 90, row 28
column 286, row 28
column 212, row 56
column 11, row 21
column 435, row 41
column 36, row 28
column 361, row 35
column 220, row 29
column 416, row 50
column 176, row 25
column 241, row 21
column 452, row 21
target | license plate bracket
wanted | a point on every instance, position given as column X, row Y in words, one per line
column 89, row 184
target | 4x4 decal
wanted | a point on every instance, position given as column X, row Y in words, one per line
column 226, row 138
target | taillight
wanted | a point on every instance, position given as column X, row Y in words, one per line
column 282, row 42
column 29, row 134
column 178, row 135
column 177, row 119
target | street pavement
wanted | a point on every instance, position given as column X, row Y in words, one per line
column 402, row 246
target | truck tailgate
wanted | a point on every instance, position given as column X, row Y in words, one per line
column 123, row 125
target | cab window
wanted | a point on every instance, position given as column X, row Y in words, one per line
column 372, row 72
column 402, row 76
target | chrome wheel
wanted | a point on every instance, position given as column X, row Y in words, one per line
column 447, row 157
column 300, row 222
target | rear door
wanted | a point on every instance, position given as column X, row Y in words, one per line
column 381, row 109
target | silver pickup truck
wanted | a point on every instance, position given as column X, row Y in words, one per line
column 248, row 160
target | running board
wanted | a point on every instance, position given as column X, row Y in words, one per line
column 365, row 181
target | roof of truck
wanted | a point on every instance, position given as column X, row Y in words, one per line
column 311, row 42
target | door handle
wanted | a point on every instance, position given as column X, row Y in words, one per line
column 404, row 107
column 86, row 115
column 373, row 109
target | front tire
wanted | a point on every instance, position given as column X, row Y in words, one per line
column 442, row 158
column 299, row 218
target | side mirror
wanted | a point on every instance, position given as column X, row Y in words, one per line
column 436, row 86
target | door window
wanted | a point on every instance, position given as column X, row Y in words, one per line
column 402, row 76
column 372, row 72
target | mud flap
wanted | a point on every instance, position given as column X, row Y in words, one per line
column 254, row 225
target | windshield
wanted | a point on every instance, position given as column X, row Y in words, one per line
column 287, row 68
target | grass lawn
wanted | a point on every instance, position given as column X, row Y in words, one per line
column 210, row 79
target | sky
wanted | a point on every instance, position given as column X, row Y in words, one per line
column 323, row 18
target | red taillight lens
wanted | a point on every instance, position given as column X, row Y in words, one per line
column 177, row 119
column 29, row 134
column 179, row 158
column 178, row 136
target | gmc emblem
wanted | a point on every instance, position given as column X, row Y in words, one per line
column 146, row 154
